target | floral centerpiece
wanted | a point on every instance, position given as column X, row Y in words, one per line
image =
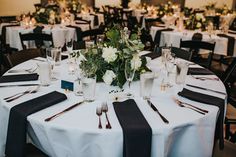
column 196, row 21
column 165, row 9
column 74, row 6
column 49, row 14
column 107, row 60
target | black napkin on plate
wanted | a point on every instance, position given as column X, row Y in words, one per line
column 95, row 19
column 230, row 46
column 152, row 55
column 158, row 35
column 17, row 125
column 19, row 77
column 137, row 133
column 199, row 71
column 211, row 100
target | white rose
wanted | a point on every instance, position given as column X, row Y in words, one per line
column 136, row 62
column 199, row 25
column 108, row 77
column 109, row 54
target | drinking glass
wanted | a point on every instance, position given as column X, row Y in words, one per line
column 169, row 66
column 146, row 83
column 89, row 87
column 181, row 73
column 129, row 74
column 52, row 57
column 78, row 74
column 69, row 48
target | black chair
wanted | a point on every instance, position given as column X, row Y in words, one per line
column 152, row 22
column 181, row 53
column 194, row 46
column 93, row 33
column 22, row 56
column 79, row 20
column 229, row 79
column 39, row 38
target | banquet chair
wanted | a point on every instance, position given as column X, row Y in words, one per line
column 229, row 79
column 199, row 58
column 92, row 34
column 22, row 56
column 152, row 22
column 41, row 38
column 181, row 53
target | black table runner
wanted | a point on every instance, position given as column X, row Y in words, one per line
column 158, row 35
column 17, row 125
column 137, row 133
column 20, row 77
column 211, row 100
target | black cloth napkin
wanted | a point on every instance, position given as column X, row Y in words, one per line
column 17, row 125
column 38, row 29
column 199, row 71
column 95, row 19
column 158, row 35
column 152, row 55
column 18, row 78
column 230, row 46
column 211, row 100
column 137, row 133
column 197, row 36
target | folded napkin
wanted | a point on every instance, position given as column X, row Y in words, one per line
column 152, row 55
column 38, row 29
column 231, row 42
column 158, row 35
column 137, row 133
column 95, row 19
column 211, row 100
column 199, row 71
column 17, row 125
column 197, row 36
column 20, row 77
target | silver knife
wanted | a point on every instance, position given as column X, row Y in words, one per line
column 63, row 111
column 207, row 89
column 13, row 85
column 156, row 110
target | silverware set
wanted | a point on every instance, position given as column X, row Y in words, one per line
column 99, row 111
column 189, row 106
column 30, row 70
column 202, row 78
column 18, row 95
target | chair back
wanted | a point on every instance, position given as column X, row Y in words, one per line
column 181, row 53
column 196, row 45
column 22, row 56
column 39, row 39
column 228, row 74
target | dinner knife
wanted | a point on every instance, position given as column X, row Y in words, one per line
column 207, row 89
column 156, row 110
column 63, row 111
column 18, row 85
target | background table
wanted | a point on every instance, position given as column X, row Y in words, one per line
column 59, row 33
column 76, row 132
column 173, row 38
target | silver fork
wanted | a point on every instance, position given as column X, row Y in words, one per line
column 181, row 104
column 99, row 113
column 30, row 70
column 18, row 95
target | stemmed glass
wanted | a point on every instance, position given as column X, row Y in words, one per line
column 69, row 48
column 129, row 74
column 78, row 74
column 169, row 66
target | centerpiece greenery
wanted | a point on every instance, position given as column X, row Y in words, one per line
column 196, row 21
column 107, row 60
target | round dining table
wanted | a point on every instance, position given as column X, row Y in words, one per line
column 76, row 133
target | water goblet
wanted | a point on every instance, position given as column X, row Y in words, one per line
column 69, row 48
column 129, row 74
column 78, row 74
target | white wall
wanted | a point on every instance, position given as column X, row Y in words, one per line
column 16, row 7
column 202, row 3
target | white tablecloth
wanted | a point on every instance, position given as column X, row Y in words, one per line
column 173, row 38
column 76, row 132
column 59, row 34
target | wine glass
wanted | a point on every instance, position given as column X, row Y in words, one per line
column 78, row 74
column 129, row 74
column 69, row 48
column 169, row 66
